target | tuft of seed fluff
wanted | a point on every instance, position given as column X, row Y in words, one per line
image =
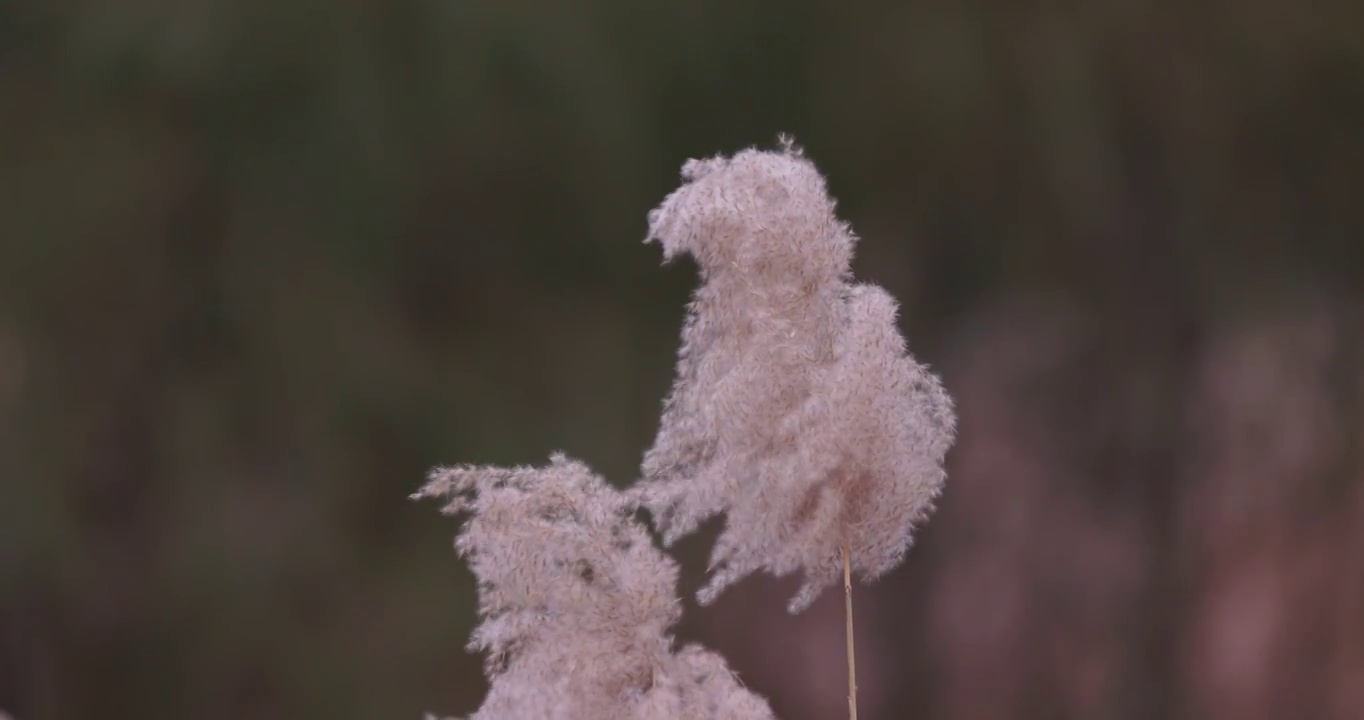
column 576, row 602
column 796, row 410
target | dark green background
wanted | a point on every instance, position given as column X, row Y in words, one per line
column 263, row 262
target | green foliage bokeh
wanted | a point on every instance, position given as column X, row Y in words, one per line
column 263, row 263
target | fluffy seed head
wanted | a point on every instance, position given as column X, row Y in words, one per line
column 576, row 602
column 796, row 410
column 762, row 212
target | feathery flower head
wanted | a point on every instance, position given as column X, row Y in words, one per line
column 796, row 410
column 759, row 211
column 576, row 602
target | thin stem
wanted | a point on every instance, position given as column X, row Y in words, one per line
column 852, row 662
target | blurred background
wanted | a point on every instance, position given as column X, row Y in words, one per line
column 264, row 263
